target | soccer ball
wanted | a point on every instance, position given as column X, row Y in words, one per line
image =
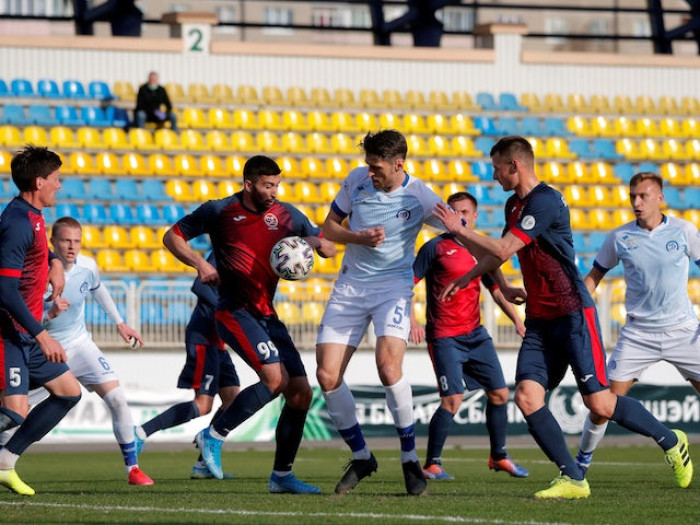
column 292, row 258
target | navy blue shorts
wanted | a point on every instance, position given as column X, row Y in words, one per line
column 259, row 340
column 466, row 359
column 208, row 367
column 25, row 365
column 551, row 346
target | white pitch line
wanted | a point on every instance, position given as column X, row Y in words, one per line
column 358, row 515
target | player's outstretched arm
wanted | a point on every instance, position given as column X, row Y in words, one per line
column 333, row 230
column 180, row 248
column 130, row 335
column 324, row 247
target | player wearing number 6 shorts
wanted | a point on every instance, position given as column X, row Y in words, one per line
column 243, row 228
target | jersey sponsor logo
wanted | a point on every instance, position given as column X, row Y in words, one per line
column 528, row 222
column 450, row 252
column 629, row 242
column 239, row 218
column 672, row 246
column 585, row 378
column 271, row 221
column 403, row 214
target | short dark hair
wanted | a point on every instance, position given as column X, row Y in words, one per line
column 259, row 166
column 460, row 196
column 67, row 222
column 515, row 147
column 31, row 163
column 646, row 175
column 386, row 144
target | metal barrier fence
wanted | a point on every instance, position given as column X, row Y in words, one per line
column 160, row 310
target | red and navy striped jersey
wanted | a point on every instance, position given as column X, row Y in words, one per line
column 241, row 241
column 24, row 265
column 441, row 260
column 552, row 280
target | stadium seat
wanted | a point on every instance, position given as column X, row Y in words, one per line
column 95, row 116
column 328, row 190
column 321, row 98
column 602, row 127
column 160, row 165
column 14, row 114
column 600, row 104
column 484, row 145
column 289, row 166
column 234, row 165
column 165, row 261
column 692, row 149
column 389, row 120
column 245, row 119
column 247, row 95
column 109, row 260
column 41, row 115
column 486, row 125
column 92, row 237
column 99, row 90
column 226, row 188
column 186, row 166
column 148, row 214
column 203, row 190
column 272, row 96
column 578, row 125
column 605, row 149
column 508, row 102
column 192, row 140
column 117, row 237
column 101, row 189
column 415, row 99
column 460, row 171
column 692, row 173
column 462, row 101
column 36, row 135
column 10, row 136
column 5, row 160
column 115, row 138
column 90, row 138
column 414, row 123
column 108, row 163
column 81, row 163
column 94, row 213
column 63, row 137
column 533, row 126
column 532, row 102
column 554, row 103
column 173, row 212
column 121, row 213
column 138, row 261
column 176, row 93
column 294, row 143
column 74, row 89
column 296, row 96
column 369, row 98
column 579, row 173
column 623, row 104
column 289, row 313
column 194, row 118
column 319, row 121
column 212, row 166
column 21, row 87
column 198, row 92
column 179, row 190
column 73, row 188
column 343, row 144
column 220, row 118
column 167, row 139
column 486, row 101
column 438, row 100
column 268, row 142
column 124, row 91
column 48, row 88
column 645, row 105
column 336, row 168
column 464, row 147
column 128, row 190
column 392, row 99
column 558, row 148
column 439, row 146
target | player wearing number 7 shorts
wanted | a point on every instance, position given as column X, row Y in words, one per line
column 243, row 228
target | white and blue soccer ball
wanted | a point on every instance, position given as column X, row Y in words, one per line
column 292, row 258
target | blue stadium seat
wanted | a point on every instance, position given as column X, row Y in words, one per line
column 605, row 149
column 556, row 127
column 484, row 145
column 490, row 219
column 149, row 214
column 582, row 148
column 691, row 195
column 201, row 243
column 95, row 213
column 483, row 170
column 624, row 171
column 154, row 190
column 486, row 125
column 68, row 116
column 481, row 193
column 119, row 117
column 49, row 214
column 4, row 92
column 41, row 115
column 121, row 213
column 14, row 114
column 99, row 90
column 595, row 241
column 74, row 89
column 128, row 189
column 21, row 87
column 674, row 199
column 173, row 213
column 101, row 189
column 509, row 126
column 509, row 102
column 486, row 101
column 580, row 242
column 648, row 166
column 72, row 188
column 48, row 88
column 532, row 127
column 7, row 189
column 66, row 209
column 95, row 116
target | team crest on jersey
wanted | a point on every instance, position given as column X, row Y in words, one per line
column 271, row 221
column 527, row 223
column 672, row 246
column 84, row 288
column 403, row 214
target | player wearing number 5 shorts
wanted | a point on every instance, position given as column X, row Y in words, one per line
column 243, row 228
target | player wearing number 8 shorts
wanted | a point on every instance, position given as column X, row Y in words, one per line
column 243, row 228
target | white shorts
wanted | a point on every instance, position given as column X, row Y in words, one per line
column 637, row 349
column 350, row 310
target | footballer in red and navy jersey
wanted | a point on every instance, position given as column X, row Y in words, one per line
column 242, row 240
column 440, row 261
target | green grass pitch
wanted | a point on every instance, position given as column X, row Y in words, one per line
column 629, row 484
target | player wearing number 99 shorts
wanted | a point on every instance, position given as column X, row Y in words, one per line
column 243, row 228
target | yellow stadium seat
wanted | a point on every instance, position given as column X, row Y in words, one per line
column 439, row 146
column 167, row 139
column 36, row 135
column 690, row 127
column 194, row 118
column 413, row 167
column 63, row 137
column 451, row 188
column 621, row 216
column 186, row 165
column 269, row 120
column 578, row 125
column 161, row 165
column 212, row 166
column 92, row 237
column 220, row 118
column 289, row 313
column 247, row 95
column 390, row 121
column 107, row 163
column 344, row 98
column 5, row 160
column 417, row 146
column 234, row 165
column 244, row 119
column 109, row 260
column 434, row 169
column 416, row 100
column 554, row 172
column 672, row 173
column 692, row 173
column 392, row 99
column 438, row 123
column 554, row 103
column 272, row 96
column 179, row 190
column 311, row 167
column 624, row 127
column 306, row 192
column 312, row 312
column 343, row 144
column 674, row 150
column 599, row 195
column 619, row 195
column 460, row 171
column 294, row 120
column 538, row 147
column 319, row 121
column 579, row 219
column 602, row 173
column 342, row 120
column 646, row 127
column 192, row 140
column 671, row 127
column 599, row 219
column 321, row 98
column 690, row 106
column 222, row 94
column 645, row 105
column 318, row 289
column 602, row 127
column 461, row 124
column 650, row 149
column 203, row 190
column 692, row 149
column 296, row 96
column 623, row 104
column 10, row 136
column 144, row 238
column 142, row 140
column 285, row 191
column 226, row 188
column 117, row 237
column 577, row 103
column 579, row 173
column 268, row 142
column 464, row 147
column 124, row 91
column 218, row 140
column 438, row 100
column 138, row 261
column 293, row 142
column 290, row 167
column 414, row 123
column 336, row 168
column 318, row 143
column 462, row 101
column 558, row 148
column 320, row 214
column 600, row 104
column 165, row 261
column 176, row 93
column 627, row 148
column 370, row 99
column 364, row 123
column 242, row 141
column 81, row 163
column 692, row 215
column 532, row 102
column 577, row 196
column 89, row 138
column 198, row 92
column 327, row 191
